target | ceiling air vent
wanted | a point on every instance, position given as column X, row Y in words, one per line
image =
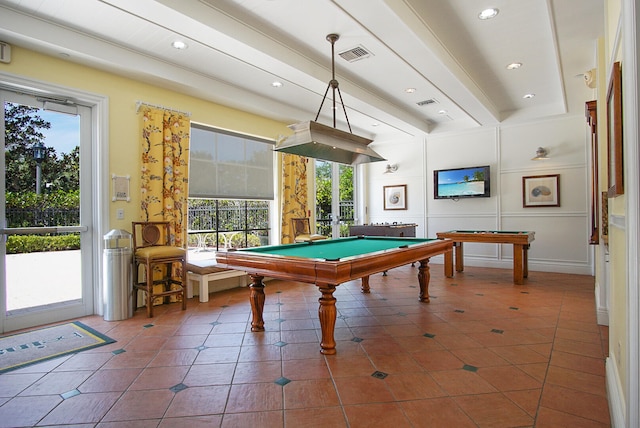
column 426, row 102
column 355, row 54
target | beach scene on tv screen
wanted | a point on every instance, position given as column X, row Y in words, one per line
column 458, row 182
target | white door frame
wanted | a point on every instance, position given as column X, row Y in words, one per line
column 630, row 17
column 98, row 175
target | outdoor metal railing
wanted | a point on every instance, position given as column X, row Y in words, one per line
column 43, row 217
column 210, row 222
column 215, row 223
column 324, row 219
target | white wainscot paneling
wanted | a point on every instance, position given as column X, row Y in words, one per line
column 473, row 206
column 460, row 222
column 572, row 191
column 560, row 245
column 462, row 149
column 407, row 154
column 564, row 138
column 476, row 254
column 415, row 199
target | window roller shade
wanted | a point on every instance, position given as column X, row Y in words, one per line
column 224, row 165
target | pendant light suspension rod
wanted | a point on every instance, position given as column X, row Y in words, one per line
column 333, row 84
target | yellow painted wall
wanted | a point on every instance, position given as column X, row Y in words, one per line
column 123, row 94
column 613, row 10
column 618, row 333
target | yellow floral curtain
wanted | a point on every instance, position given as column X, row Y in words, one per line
column 164, row 173
column 294, row 192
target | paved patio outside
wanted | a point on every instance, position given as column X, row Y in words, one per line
column 42, row 278
column 36, row 279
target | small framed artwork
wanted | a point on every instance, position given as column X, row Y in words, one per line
column 541, row 191
column 395, row 197
column 120, row 185
column 614, row 132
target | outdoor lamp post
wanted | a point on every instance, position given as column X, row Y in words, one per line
column 38, row 154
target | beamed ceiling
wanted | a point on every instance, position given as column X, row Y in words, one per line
column 455, row 63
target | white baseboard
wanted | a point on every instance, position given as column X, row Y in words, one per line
column 615, row 394
column 569, row 267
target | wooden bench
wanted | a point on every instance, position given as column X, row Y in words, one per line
column 201, row 272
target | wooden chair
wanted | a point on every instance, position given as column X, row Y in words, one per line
column 302, row 230
column 153, row 250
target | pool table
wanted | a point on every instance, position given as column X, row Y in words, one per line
column 520, row 240
column 327, row 264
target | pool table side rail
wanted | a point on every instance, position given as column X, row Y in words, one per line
column 314, row 271
column 303, row 270
column 522, row 238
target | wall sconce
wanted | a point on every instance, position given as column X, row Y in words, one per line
column 541, row 154
column 391, row 168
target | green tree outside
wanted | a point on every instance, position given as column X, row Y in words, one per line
column 323, row 181
column 23, row 130
column 24, row 208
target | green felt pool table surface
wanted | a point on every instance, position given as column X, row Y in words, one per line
column 337, row 249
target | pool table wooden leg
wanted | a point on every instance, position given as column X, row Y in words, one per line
column 365, row 285
column 423, row 279
column 448, row 264
column 519, row 264
column 257, row 302
column 327, row 313
column 459, row 250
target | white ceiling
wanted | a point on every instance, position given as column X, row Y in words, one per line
column 237, row 48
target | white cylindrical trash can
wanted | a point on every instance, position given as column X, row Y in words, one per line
column 117, row 275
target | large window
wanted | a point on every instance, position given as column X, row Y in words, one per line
column 230, row 189
column 225, row 165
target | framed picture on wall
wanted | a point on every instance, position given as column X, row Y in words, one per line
column 614, row 131
column 541, row 191
column 120, row 184
column 395, row 197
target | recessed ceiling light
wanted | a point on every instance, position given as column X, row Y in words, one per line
column 375, row 124
column 179, row 45
column 276, row 84
column 528, row 96
column 488, row 13
column 514, row 66
column 442, row 112
column 410, row 90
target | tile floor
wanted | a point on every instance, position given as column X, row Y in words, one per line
column 483, row 353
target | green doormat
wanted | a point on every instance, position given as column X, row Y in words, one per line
column 23, row 349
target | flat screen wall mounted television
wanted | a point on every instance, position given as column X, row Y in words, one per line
column 470, row 182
